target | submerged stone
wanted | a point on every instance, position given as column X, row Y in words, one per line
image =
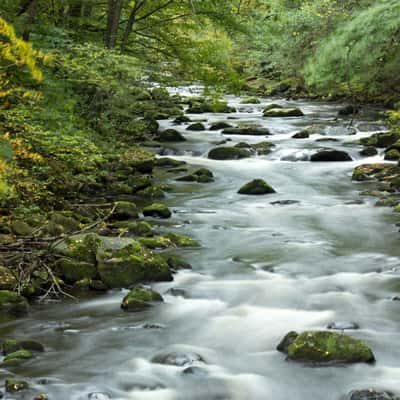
column 301, row 135
column 177, row 358
column 11, row 346
column 256, row 187
column 369, row 151
column 327, row 347
column 140, row 299
column 202, row 175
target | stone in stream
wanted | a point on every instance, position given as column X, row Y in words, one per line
column 256, row 187
column 195, row 371
column 228, row 153
column 216, row 126
column 99, row 396
column 301, row 135
column 324, row 347
column 283, row 112
column 198, row 126
column 14, row 385
column 11, row 346
column 178, row 359
column 41, row 396
column 17, row 357
column 202, row 175
column 140, row 299
column 181, row 119
column 327, row 139
column 348, row 110
column 12, row 303
column 369, row 151
column 8, row 281
column 250, row 100
column 157, row 210
column 342, row 326
column 284, row 202
column 371, row 394
column 124, row 210
column 381, row 139
column 330, row 156
column 392, row 155
column 176, row 262
column 170, row 135
column 247, row 131
column 272, row 106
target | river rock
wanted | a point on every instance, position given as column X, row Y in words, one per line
column 250, row 100
column 181, row 119
column 177, row 359
column 325, row 347
column 177, row 263
column 132, row 264
column 13, row 303
column 283, row 112
column 256, row 187
column 124, row 210
column 204, row 106
column 139, row 299
column 381, row 139
column 285, row 202
column 170, row 135
column 15, row 385
column 342, row 326
column 367, row 172
column 330, row 155
column 220, row 125
column 348, row 110
column 11, row 346
column 392, row 155
column 371, row 394
column 168, row 162
column 369, row 151
column 301, row 135
column 41, row 396
column 8, row 281
column 198, row 126
column 272, row 106
column 202, row 175
column 228, row 153
column 247, row 131
column 157, row 210
column 263, row 148
column 17, row 357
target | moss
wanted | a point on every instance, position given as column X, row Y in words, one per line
column 202, row 175
column 170, row 135
column 381, row 139
column 124, row 210
column 8, row 281
column 256, row 187
column 228, row 153
column 137, row 228
column 13, row 303
column 139, row 299
column 283, row 112
column 287, row 341
column 157, row 210
column 201, row 106
column 15, row 385
column 159, row 242
column 263, row 148
column 181, row 119
column 168, row 162
column 197, row 126
column 367, row 172
column 72, row 270
column 69, row 224
column 328, row 347
column 11, row 346
column 21, row 228
column 19, row 355
column 131, row 265
column 392, row 155
column 152, row 193
column 181, row 240
column 250, row 100
column 177, row 262
column 82, row 248
column 272, row 106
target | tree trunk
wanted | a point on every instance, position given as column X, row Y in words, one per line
column 32, row 12
column 128, row 29
column 113, row 18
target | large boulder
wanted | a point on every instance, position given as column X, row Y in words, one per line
column 228, row 153
column 199, row 106
column 283, row 112
column 368, row 151
column 381, row 139
column 216, row 126
column 170, row 135
column 247, row 131
column 368, row 172
column 124, row 210
column 325, row 347
column 140, row 299
column 197, row 126
column 256, row 187
column 131, row 265
column 330, row 155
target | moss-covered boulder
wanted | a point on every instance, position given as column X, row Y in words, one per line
column 14, row 385
column 392, row 155
column 301, row 135
column 80, row 248
column 284, row 344
column 17, row 358
column 200, row 106
column 247, row 131
column 151, row 193
column 12, row 345
column 124, row 210
column 368, row 151
column 21, row 228
column 263, row 148
column 72, row 270
column 326, row 347
column 8, row 281
column 13, row 303
column 256, row 187
column 169, row 239
column 272, row 106
column 176, row 262
column 68, row 223
column 202, row 175
column 216, row 126
column 140, row 299
column 197, row 126
column 135, row 228
column 367, row 172
column 330, row 156
column 131, row 265
column 228, row 153
column 169, row 162
column 250, row 100
column 381, row 139
column 170, row 135
column 181, row 119
column 157, row 210
column 283, row 112
column 181, row 240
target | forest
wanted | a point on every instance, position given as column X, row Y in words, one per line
column 139, row 141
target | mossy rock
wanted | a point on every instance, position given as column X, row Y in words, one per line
column 137, row 228
column 381, row 139
column 228, row 153
column 181, row 240
column 8, row 281
column 202, row 175
column 140, row 299
column 15, row 385
column 19, row 355
column 392, row 155
column 263, row 148
column 131, row 265
column 272, row 106
column 328, row 347
column 220, row 125
column 13, row 303
column 256, row 187
column 170, row 135
column 151, row 193
column 124, row 210
column 283, row 112
column 10, row 346
column 387, row 202
column 138, row 183
column 80, row 248
column 198, row 126
column 283, row 346
column 182, row 119
column 69, row 224
column 21, row 228
column 367, row 172
column 205, row 106
column 176, row 263
column 301, row 135
column 157, row 210
column 169, row 162
column 158, row 242
column 72, row 270
column 250, row 100
column 247, row 131
column 369, row 151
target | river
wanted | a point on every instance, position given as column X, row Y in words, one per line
column 263, row 270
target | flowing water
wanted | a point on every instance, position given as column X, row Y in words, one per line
column 263, row 270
